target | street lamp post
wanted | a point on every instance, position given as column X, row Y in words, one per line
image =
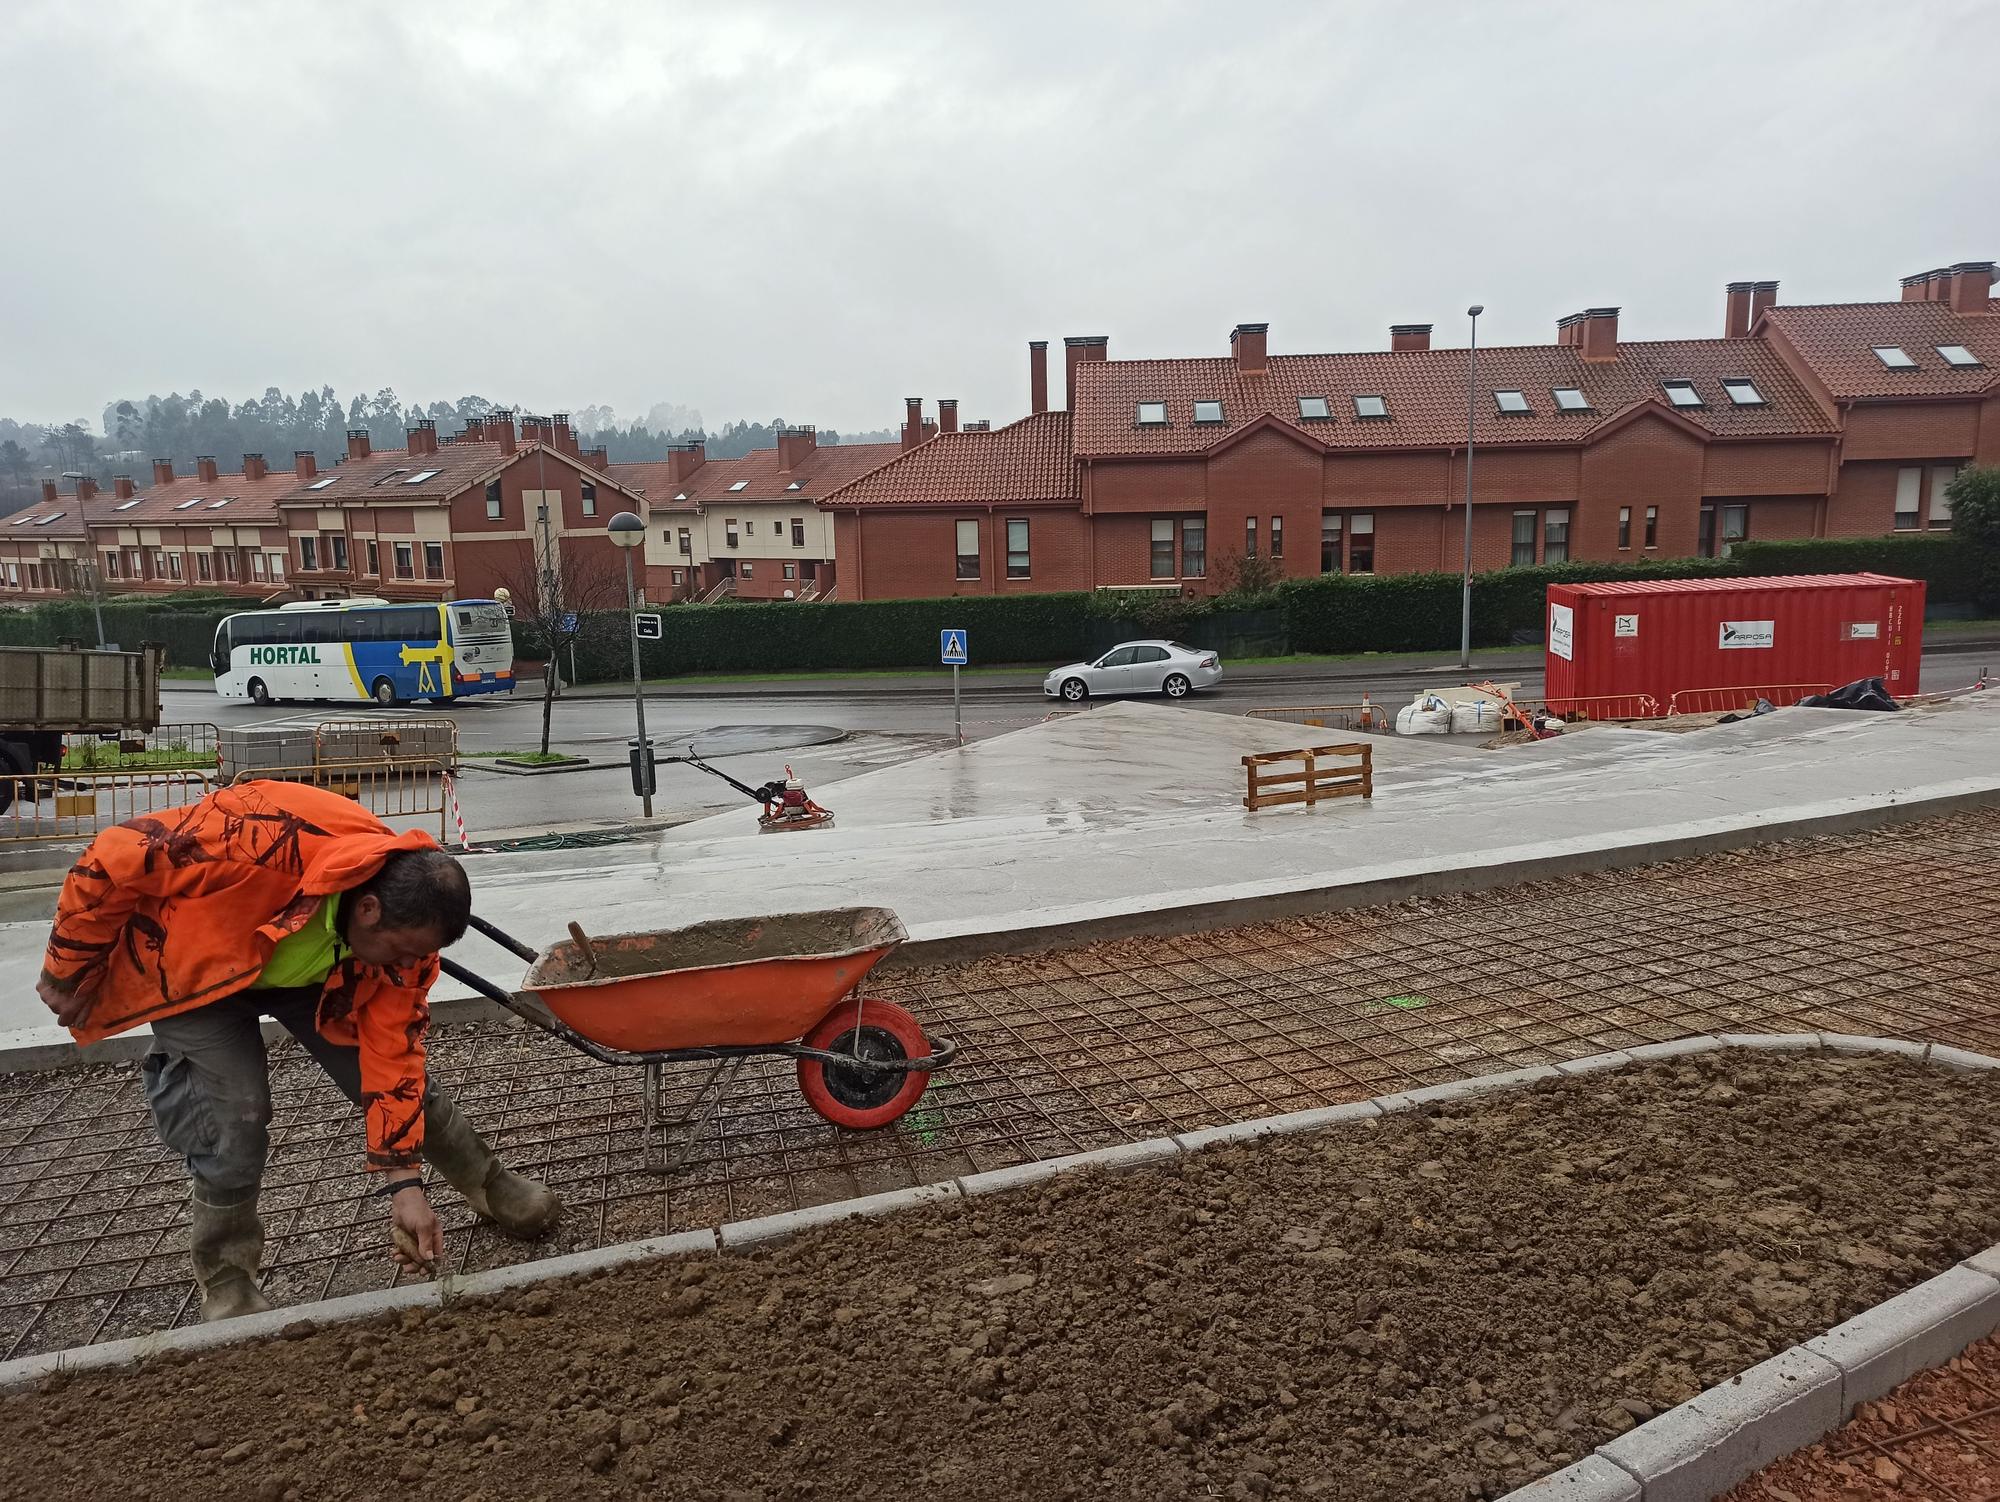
column 628, row 534
column 1471, row 425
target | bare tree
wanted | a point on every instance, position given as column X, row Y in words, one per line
column 558, row 594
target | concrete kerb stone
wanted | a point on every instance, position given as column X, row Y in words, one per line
column 1618, row 1058
column 1855, row 1043
column 1883, row 1347
column 1478, row 1084
column 1959, row 1058
column 602, row 1259
column 741, row 1233
column 1771, row 1042
column 1115, row 1159
column 1591, row 1479
column 1648, row 1053
column 1280, row 1126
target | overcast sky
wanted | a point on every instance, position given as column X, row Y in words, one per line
column 815, row 210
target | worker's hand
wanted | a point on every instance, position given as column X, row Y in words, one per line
column 414, row 1233
column 68, row 1001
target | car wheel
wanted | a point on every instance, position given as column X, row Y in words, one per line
column 259, row 694
column 1075, row 690
column 1176, row 686
column 385, row 693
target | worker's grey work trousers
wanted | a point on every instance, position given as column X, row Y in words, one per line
column 209, row 1086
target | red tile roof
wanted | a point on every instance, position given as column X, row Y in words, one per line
column 21, row 526
column 249, row 503
column 383, row 478
column 1425, row 394
column 1026, row 461
column 821, row 471
column 1837, row 343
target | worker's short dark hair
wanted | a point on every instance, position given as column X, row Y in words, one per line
column 420, row 889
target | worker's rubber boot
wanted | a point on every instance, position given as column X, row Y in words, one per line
column 227, row 1242
column 518, row 1206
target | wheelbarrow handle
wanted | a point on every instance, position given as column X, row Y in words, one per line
column 499, row 936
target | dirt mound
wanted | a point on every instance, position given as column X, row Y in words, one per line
column 1439, row 1306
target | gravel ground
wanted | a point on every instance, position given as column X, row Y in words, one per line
column 1440, row 1305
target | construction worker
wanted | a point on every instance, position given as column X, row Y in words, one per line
column 282, row 900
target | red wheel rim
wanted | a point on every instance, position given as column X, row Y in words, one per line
column 864, row 1099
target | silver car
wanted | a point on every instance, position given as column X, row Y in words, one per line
column 1137, row 667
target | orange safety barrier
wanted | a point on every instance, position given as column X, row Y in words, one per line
column 1279, row 777
column 1363, row 716
column 1723, row 700
column 1601, row 707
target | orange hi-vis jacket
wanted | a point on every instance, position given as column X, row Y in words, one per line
column 171, row 911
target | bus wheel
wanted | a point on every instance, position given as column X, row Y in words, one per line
column 385, row 692
column 258, row 693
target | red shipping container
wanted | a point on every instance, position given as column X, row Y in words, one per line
column 1695, row 645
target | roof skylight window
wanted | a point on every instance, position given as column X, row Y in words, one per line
column 1682, row 393
column 127, row 505
column 322, row 484
column 53, row 516
column 682, row 496
column 21, row 521
column 391, row 475
column 1311, row 407
column 1150, row 414
column 1744, row 393
column 1370, row 406
column 1569, row 399
column 1208, row 411
column 1511, row 401
column 796, row 485
column 1957, row 354
column 1894, row 357
column 189, row 505
column 420, row 476
column 739, row 485
column 218, row 505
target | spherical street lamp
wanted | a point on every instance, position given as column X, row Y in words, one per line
column 628, row 532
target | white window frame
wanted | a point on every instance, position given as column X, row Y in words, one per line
column 961, row 529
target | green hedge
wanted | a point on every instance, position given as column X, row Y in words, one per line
column 1957, row 572
column 189, row 634
column 1344, row 613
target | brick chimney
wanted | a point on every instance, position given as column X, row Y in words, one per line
column 947, row 414
column 1597, row 333
column 204, row 468
column 304, row 464
column 254, row 467
column 1038, row 375
column 1409, row 336
column 564, row 440
column 1076, row 350
column 793, row 446
column 683, row 459
column 49, row 491
column 1971, row 286
column 357, row 443
column 474, row 431
column 85, row 488
column 422, row 439
column 163, row 471
column 1736, row 309
column 499, row 428
column 1247, row 343
column 1762, row 295
column 1917, row 288
column 123, row 488
column 598, row 459
column 913, row 421
column 1569, row 330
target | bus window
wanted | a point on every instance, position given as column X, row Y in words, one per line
column 319, row 628
column 363, row 625
column 414, row 623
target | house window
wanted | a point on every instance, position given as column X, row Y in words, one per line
column 374, row 558
column 1017, row 548
column 750, row 526
column 1744, row 393
column 590, row 498
column 1941, row 477
column 1370, row 406
column 1721, row 528
column 1361, row 542
column 1163, row 547
column 1524, row 539
column 739, row 485
column 1555, row 535
column 749, row 569
column 110, row 565
column 967, row 534
column 1194, row 548
column 1314, row 409
column 1624, row 527
column 160, row 562
column 1208, row 411
column 1682, row 393
column 687, row 543
column 1652, row 526
column 1249, row 537
column 433, row 560
column 308, row 554
column 493, row 500
column 204, row 566
column 1511, row 402
column 257, row 565
column 278, row 567
column 13, row 576
column 1277, row 537
column 1909, row 493
column 680, row 577
column 337, row 546
column 1894, row 357
column 1570, row 399
column 798, row 531
column 406, row 560
column 1735, row 526
column 1331, row 534
column 791, row 571
column 1149, row 414
column 228, row 565
column 1957, row 354
column 729, row 532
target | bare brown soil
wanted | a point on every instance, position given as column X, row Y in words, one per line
column 1442, row 1305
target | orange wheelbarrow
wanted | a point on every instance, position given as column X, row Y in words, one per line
column 727, row 991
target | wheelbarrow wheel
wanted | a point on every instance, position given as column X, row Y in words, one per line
column 864, row 1098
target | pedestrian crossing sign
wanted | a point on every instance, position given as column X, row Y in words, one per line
column 951, row 647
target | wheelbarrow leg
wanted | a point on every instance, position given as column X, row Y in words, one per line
column 662, row 1156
